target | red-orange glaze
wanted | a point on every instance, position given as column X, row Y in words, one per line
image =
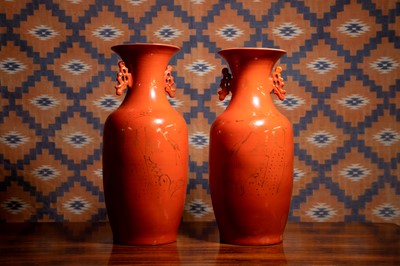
column 251, row 151
column 145, row 150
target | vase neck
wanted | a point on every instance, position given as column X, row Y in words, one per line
column 251, row 70
column 147, row 64
column 251, row 92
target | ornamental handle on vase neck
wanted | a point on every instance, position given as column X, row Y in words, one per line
column 125, row 79
column 277, row 83
column 225, row 84
column 169, row 82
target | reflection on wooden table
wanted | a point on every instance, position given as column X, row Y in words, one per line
column 198, row 244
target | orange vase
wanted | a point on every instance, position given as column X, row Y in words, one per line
column 251, row 151
column 145, row 150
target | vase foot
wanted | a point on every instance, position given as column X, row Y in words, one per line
column 144, row 241
column 253, row 240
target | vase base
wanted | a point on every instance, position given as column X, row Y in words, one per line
column 144, row 241
column 253, row 241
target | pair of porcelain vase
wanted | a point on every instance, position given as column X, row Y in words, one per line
column 145, row 150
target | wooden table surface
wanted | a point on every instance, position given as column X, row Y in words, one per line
column 198, row 244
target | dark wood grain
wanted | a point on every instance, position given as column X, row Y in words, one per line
column 198, row 244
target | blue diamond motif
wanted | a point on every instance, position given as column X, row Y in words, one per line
column 200, row 67
column 107, row 32
column 199, row 140
column 353, row 28
column 321, row 65
column 43, row 32
column 76, row 67
column 229, row 32
column 11, row 65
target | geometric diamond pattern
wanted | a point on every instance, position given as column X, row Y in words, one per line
column 341, row 71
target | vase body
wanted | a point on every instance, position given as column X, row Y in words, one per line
column 251, row 153
column 145, row 151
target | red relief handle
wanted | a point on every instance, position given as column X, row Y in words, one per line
column 277, row 83
column 124, row 78
column 225, row 84
column 169, row 82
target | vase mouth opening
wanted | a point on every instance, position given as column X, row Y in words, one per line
column 143, row 44
column 253, row 49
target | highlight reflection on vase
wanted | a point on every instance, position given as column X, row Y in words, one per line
column 251, row 151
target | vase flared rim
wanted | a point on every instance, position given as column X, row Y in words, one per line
column 253, row 49
column 138, row 44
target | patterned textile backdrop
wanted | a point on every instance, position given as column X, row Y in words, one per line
column 342, row 73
